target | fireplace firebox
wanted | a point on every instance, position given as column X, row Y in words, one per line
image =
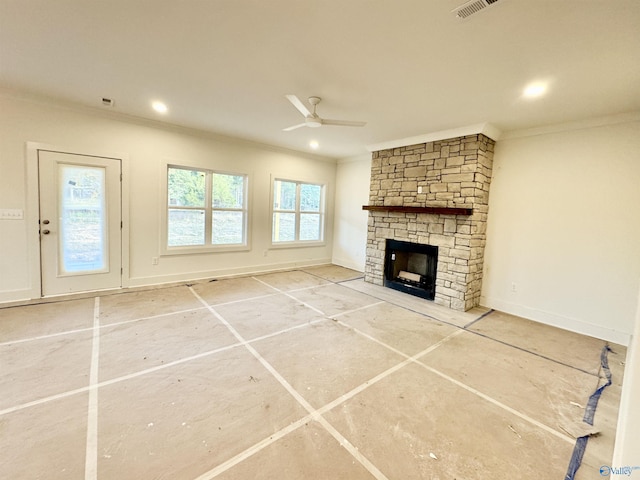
column 411, row 268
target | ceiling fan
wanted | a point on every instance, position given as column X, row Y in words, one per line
column 313, row 120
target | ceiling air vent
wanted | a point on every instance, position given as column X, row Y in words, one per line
column 474, row 6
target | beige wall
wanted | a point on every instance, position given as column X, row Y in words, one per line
column 352, row 192
column 148, row 146
column 563, row 229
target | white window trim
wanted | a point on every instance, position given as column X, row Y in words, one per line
column 165, row 250
column 323, row 213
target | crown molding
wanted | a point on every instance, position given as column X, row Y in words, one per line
column 626, row 117
column 479, row 128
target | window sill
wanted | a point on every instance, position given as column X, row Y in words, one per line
column 298, row 244
column 171, row 251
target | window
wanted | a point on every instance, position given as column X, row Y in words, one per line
column 298, row 212
column 205, row 208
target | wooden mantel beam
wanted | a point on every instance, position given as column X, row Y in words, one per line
column 431, row 210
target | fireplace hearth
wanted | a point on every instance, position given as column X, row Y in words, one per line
column 411, row 268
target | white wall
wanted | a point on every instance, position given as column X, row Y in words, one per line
column 627, row 438
column 147, row 145
column 352, row 192
column 564, row 228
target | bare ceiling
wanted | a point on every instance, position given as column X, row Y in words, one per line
column 405, row 67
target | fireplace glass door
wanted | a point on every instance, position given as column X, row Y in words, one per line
column 411, row 268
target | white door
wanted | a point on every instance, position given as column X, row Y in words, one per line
column 80, row 222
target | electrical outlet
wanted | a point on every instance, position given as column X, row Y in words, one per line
column 154, row 260
column 514, row 287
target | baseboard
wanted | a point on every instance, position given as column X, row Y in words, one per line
column 223, row 273
column 560, row 321
column 24, row 296
column 627, row 443
column 21, row 295
column 348, row 264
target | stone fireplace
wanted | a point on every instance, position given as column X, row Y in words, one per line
column 433, row 194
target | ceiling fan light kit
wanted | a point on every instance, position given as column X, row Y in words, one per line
column 312, row 119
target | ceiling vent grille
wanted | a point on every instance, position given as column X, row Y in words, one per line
column 474, row 6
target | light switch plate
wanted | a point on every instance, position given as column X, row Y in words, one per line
column 11, row 214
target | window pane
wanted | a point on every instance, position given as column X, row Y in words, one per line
column 228, row 191
column 186, row 187
column 309, row 226
column 82, row 224
column 310, row 197
column 284, row 227
column 227, row 228
column 284, row 195
column 186, row 227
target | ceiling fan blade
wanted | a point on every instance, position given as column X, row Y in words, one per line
column 343, row 123
column 288, row 129
column 299, row 105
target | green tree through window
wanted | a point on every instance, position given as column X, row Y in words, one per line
column 298, row 211
column 193, row 221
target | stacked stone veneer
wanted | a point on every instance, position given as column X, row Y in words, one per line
column 452, row 173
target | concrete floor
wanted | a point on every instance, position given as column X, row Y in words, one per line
column 303, row 374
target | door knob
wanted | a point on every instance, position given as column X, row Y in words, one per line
column 46, row 222
column 46, row 232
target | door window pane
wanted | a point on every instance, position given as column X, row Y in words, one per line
column 186, row 227
column 82, row 225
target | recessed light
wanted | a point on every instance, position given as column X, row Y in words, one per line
column 535, row 90
column 314, row 144
column 159, row 107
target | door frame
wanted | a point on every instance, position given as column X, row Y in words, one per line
column 32, row 213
